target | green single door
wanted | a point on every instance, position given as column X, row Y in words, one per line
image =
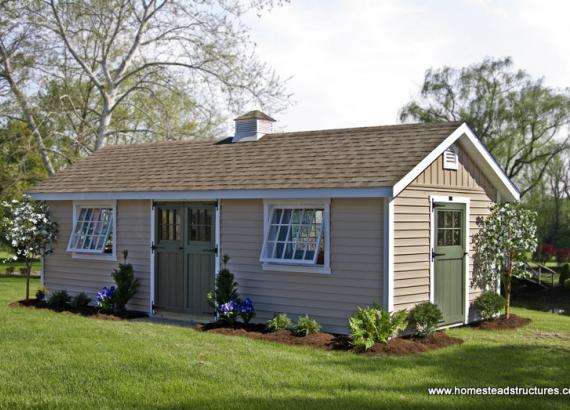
column 169, row 258
column 200, row 256
column 449, row 259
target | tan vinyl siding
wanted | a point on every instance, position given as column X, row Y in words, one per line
column 61, row 271
column 356, row 263
column 412, row 224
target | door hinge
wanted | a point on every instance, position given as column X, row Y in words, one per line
column 152, row 247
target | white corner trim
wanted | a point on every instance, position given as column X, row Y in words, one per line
column 152, row 250
column 389, row 254
column 508, row 187
column 458, row 200
column 303, row 193
column 291, row 266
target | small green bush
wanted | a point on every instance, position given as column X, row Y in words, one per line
column 373, row 324
column 59, row 299
column 489, row 303
column 564, row 274
column 306, row 325
column 280, row 321
column 567, row 284
column 424, row 318
column 127, row 284
column 80, row 301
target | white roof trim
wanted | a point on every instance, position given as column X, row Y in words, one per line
column 220, row 194
column 488, row 164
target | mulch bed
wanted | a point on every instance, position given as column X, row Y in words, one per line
column 329, row 341
column 502, row 323
column 89, row 311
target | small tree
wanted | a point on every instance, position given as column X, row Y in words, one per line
column 225, row 295
column 29, row 230
column 127, row 284
column 505, row 240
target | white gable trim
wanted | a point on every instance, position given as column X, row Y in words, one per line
column 507, row 190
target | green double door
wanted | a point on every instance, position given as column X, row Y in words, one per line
column 185, row 253
column 449, row 261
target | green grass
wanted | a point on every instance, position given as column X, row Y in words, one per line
column 7, row 255
column 51, row 360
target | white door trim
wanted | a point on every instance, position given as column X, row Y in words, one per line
column 151, row 247
column 458, row 200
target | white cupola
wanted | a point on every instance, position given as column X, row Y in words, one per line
column 252, row 126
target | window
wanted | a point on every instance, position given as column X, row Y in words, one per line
column 93, row 230
column 449, row 227
column 296, row 235
column 450, row 158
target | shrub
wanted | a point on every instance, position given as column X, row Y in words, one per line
column 373, row 324
column 59, row 299
column 489, row 304
column 424, row 318
column 80, row 301
column 127, row 284
column 562, row 255
column 306, row 325
column 106, row 300
column 280, row 321
column 41, row 293
column 567, row 284
column 246, row 310
column 225, row 293
column 10, row 270
column 564, row 274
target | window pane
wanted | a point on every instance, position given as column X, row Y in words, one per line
column 92, row 230
column 286, row 216
column 283, row 232
column 276, row 216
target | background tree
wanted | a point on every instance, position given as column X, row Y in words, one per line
column 523, row 122
column 79, row 75
column 30, row 232
column 505, row 240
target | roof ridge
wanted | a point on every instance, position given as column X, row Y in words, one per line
column 373, row 127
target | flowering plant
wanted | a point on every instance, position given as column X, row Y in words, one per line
column 41, row 293
column 502, row 244
column 229, row 311
column 105, row 299
column 246, row 310
column 29, row 230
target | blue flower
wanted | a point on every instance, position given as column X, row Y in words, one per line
column 246, row 306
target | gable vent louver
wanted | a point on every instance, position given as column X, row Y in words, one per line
column 450, row 158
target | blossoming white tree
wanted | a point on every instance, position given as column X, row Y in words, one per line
column 505, row 240
column 29, row 230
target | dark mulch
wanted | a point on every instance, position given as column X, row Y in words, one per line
column 502, row 323
column 89, row 311
column 404, row 346
column 329, row 341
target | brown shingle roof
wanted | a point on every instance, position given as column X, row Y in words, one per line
column 254, row 115
column 366, row 157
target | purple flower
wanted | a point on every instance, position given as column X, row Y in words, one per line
column 229, row 307
column 246, row 306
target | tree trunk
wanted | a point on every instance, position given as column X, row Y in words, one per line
column 508, row 282
column 28, row 274
column 104, row 121
column 28, row 116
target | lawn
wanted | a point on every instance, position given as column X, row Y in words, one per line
column 6, row 262
column 52, row 360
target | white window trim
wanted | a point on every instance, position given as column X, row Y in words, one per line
column 452, row 200
column 290, row 266
column 89, row 255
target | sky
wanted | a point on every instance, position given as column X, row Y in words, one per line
column 356, row 63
